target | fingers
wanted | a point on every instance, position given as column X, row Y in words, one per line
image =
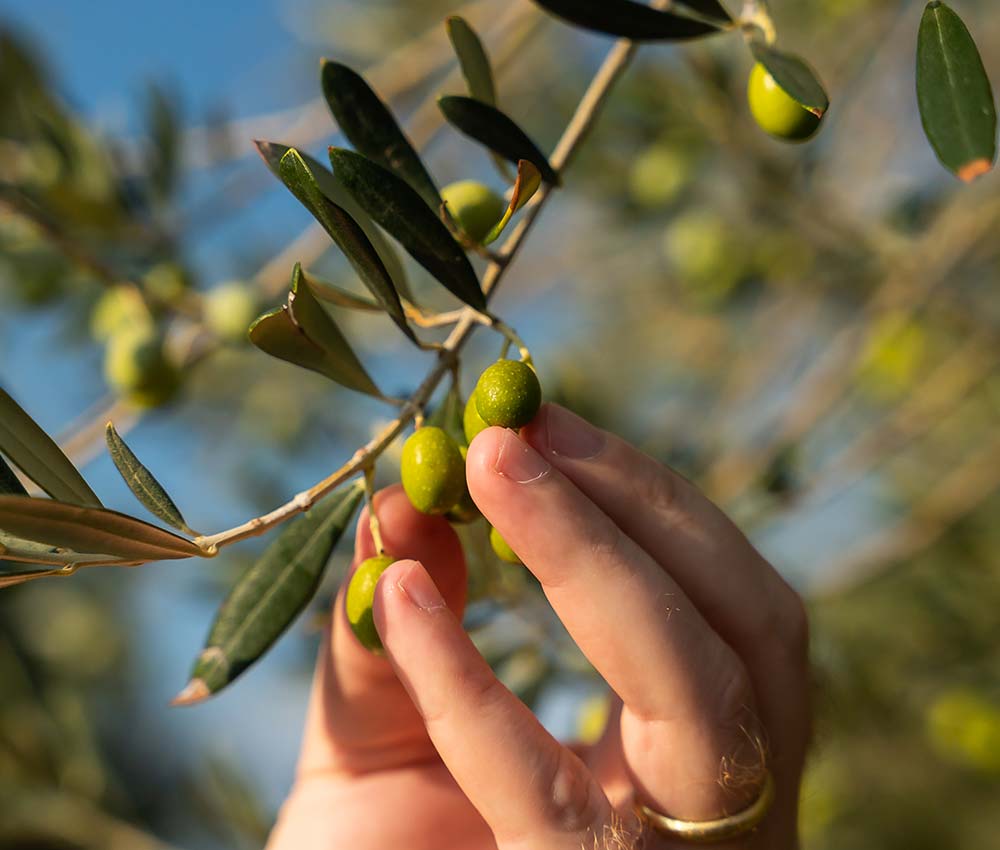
column 686, row 689
column 738, row 591
column 533, row 792
column 360, row 718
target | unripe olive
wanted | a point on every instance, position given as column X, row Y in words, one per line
column 465, row 510
column 508, row 394
column 229, row 310
column 119, row 308
column 777, row 112
column 137, row 368
column 472, row 422
column 167, row 282
column 360, row 597
column 475, row 207
column 432, row 470
column 504, row 552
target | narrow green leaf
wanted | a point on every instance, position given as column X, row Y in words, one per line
column 628, row 19
column 9, row 483
column 268, row 598
column 954, row 93
column 472, row 59
column 347, row 233
column 333, row 294
column 448, row 415
column 371, row 128
column 272, row 152
column 490, row 127
column 91, row 530
column 30, row 552
column 396, row 207
column 37, row 455
column 141, row 482
column 529, row 179
column 794, row 76
column 301, row 332
column 21, row 573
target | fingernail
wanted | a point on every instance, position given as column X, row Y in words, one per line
column 419, row 589
column 570, row 436
column 518, row 461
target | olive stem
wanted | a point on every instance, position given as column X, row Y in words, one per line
column 756, row 15
column 373, row 524
column 576, row 132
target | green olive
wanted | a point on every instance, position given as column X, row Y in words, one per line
column 777, row 112
column 465, row 510
column 118, row 308
column 504, row 552
column 472, row 422
column 137, row 368
column 230, row 309
column 432, row 470
column 475, row 207
column 508, row 394
column 167, row 282
column 360, row 597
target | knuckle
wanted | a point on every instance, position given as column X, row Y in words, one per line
column 573, row 802
column 784, row 628
column 734, row 700
column 658, row 488
column 480, row 692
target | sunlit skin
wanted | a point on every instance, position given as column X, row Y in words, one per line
column 698, row 635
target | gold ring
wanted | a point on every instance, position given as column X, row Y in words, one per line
column 708, row 831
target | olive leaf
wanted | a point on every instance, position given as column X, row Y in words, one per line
column 91, row 530
column 529, row 179
column 399, row 209
column 30, row 552
column 272, row 152
column 636, row 21
column 141, row 482
column 956, row 102
column 347, row 233
column 371, row 128
column 794, row 76
column 23, row 573
column 9, row 483
column 492, row 128
column 333, row 294
column 472, row 59
column 301, row 332
column 478, row 73
column 38, row 457
column 268, row 598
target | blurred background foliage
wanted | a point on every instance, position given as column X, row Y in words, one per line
column 811, row 333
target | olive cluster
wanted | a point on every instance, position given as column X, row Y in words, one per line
column 507, row 395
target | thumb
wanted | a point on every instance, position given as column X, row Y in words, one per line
column 360, row 717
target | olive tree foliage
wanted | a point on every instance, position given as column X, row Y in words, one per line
column 905, row 366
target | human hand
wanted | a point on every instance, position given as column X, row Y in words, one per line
column 701, row 640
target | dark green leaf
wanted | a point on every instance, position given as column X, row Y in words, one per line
column 301, row 332
column 956, row 100
column 794, row 76
column 333, row 294
column 371, row 128
column 347, row 233
column 448, row 415
column 31, row 449
column 266, row 601
column 397, row 208
column 272, row 152
column 9, row 484
column 627, row 19
column 490, row 127
column 163, row 123
column 141, row 482
column 91, row 530
column 473, row 60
